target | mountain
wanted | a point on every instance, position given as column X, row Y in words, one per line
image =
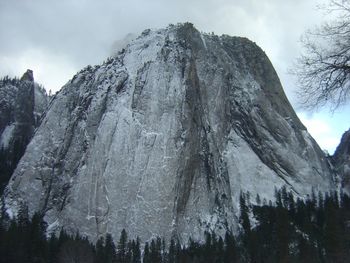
column 22, row 103
column 162, row 138
column 341, row 161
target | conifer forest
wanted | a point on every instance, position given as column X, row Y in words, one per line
column 284, row 230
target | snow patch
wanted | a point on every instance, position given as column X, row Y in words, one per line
column 203, row 40
column 6, row 136
column 52, row 227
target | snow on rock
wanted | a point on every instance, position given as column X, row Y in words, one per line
column 6, row 136
column 161, row 139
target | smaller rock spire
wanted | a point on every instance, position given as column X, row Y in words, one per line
column 28, row 75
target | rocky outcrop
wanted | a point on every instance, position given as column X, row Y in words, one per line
column 28, row 76
column 341, row 161
column 161, row 139
column 19, row 116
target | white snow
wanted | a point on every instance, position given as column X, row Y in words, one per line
column 143, row 50
column 203, row 40
column 52, row 227
column 6, row 136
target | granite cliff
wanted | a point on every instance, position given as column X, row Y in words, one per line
column 161, row 138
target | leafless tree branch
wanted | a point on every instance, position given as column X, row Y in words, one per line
column 323, row 69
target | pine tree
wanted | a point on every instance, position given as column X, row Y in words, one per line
column 164, row 252
column 75, row 250
column 284, row 197
column 334, row 230
column 178, row 250
column 244, row 217
column 110, row 250
column 172, row 253
column 38, row 245
column 291, row 206
column 100, row 250
column 129, row 256
column 155, row 250
column 146, row 254
column 230, row 249
column 136, row 251
column 282, row 234
column 122, row 247
column 258, row 199
column 208, row 251
column 52, row 248
column 307, row 252
column 219, row 258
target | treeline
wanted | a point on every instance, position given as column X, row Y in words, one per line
column 289, row 230
column 9, row 80
column 313, row 230
column 15, row 81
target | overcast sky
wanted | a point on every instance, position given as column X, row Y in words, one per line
column 58, row 38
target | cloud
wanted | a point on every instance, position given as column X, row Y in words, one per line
column 53, row 75
column 325, row 128
column 320, row 131
column 84, row 31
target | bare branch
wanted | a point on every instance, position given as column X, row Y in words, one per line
column 323, row 70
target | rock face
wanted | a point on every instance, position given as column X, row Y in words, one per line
column 341, row 161
column 161, row 139
column 22, row 102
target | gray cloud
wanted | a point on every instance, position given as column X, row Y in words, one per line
column 83, row 32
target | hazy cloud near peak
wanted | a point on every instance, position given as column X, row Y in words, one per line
column 65, row 24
